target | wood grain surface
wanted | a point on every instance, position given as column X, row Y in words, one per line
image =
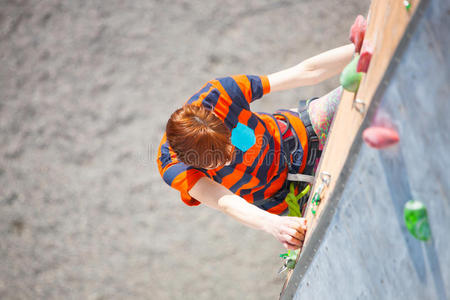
column 387, row 22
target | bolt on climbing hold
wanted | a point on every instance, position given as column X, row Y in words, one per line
column 359, row 105
column 407, row 5
column 325, row 177
column 350, row 78
column 365, row 57
column 416, row 220
column 380, row 137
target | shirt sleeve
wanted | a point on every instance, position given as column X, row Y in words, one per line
column 177, row 174
column 243, row 89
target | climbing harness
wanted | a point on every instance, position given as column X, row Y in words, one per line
column 291, row 145
column 313, row 142
column 292, row 152
column 296, row 203
column 290, row 148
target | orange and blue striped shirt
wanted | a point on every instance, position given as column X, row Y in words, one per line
column 256, row 174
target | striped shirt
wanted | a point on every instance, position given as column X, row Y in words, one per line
column 256, row 174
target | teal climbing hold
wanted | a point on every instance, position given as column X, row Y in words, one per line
column 350, row 78
column 416, row 220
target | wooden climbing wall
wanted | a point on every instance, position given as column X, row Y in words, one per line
column 390, row 29
column 387, row 23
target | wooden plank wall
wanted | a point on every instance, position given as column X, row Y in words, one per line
column 387, row 22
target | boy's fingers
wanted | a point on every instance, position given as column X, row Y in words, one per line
column 295, row 233
column 292, row 240
column 301, row 221
column 297, row 222
column 289, row 246
column 301, row 227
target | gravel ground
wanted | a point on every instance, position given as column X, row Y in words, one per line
column 85, row 90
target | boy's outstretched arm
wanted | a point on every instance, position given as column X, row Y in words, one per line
column 290, row 231
column 312, row 70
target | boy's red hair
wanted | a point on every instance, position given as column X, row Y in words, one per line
column 199, row 138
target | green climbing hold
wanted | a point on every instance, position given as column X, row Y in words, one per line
column 315, row 202
column 350, row 78
column 290, row 263
column 316, row 198
column 407, row 5
column 291, row 259
column 416, row 220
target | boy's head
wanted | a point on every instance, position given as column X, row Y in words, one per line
column 199, row 138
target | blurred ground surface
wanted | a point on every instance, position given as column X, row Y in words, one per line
column 85, row 90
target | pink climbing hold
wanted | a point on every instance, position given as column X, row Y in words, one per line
column 357, row 32
column 380, row 137
column 365, row 57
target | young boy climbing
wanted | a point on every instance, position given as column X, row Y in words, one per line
column 218, row 152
